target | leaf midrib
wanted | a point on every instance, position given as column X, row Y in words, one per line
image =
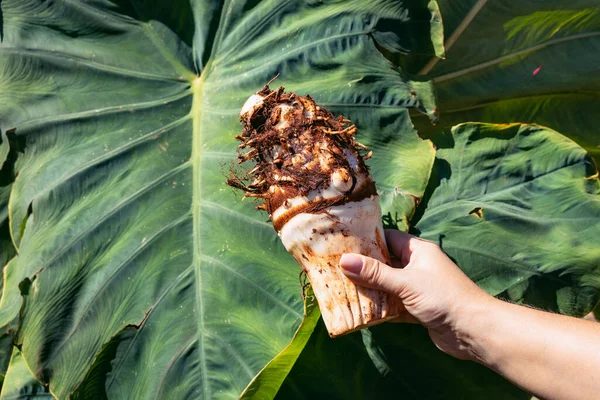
column 532, row 97
column 498, row 60
column 196, row 114
column 455, row 35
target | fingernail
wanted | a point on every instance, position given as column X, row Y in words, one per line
column 351, row 263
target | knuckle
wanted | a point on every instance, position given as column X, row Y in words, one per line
column 372, row 272
column 431, row 245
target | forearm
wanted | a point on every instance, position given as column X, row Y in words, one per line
column 551, row 356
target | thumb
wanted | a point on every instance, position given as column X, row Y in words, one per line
column 371, row 273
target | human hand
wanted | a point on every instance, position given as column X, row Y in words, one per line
column 467, row 323
column 434, row 291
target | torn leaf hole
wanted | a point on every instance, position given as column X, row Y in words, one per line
column 477, row 211
column 25, row 220
column 24, row 286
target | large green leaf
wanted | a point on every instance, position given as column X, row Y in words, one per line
column 518, row 208
column 520, row 61
column 139, row 273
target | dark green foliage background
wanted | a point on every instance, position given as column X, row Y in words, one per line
column 131, row 271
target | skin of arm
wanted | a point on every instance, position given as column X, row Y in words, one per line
column 551, row 356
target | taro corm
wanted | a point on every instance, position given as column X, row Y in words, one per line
column 311, row 176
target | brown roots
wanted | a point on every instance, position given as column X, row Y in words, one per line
column 294, row 146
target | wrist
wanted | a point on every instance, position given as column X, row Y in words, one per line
column 479, row 328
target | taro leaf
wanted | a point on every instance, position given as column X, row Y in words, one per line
column 518, row 208
column 389, row 361
column 521, row 61
column 137, row 267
